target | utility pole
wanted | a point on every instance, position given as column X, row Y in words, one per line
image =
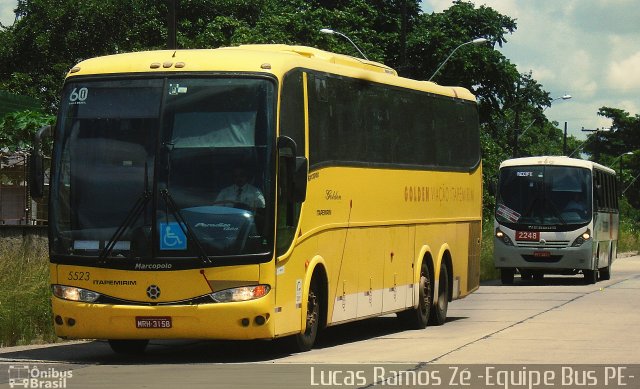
column 516, row 124
column 564, row 140
column 403, row 34
column 172, row 43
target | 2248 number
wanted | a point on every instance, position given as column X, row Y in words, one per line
column 78, row 276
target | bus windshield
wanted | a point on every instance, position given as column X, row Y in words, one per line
column 544, row 195
column 167, row 167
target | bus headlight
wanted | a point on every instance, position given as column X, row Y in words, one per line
column 244, row 293
column 72, row 293
column 582, row 238
column 503, row 237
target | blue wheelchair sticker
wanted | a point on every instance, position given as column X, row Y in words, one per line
column 172, row 237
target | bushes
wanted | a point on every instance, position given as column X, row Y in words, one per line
column 25, row 310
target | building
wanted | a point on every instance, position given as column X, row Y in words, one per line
column 16, row 206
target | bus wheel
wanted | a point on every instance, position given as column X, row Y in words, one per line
column 506, row 276
column 439, row 309
column 526, row 275
column 591, row 275
column 418, row 318
column 605, row 272
column 305, row 340
column 128, row 346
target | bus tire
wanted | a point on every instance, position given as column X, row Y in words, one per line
column 304, row 341
column 439, row 308
column 418, row 318
column 605, row 272
column 591, row 275
column 128, row 346
column 526, row 275
column 506, row 276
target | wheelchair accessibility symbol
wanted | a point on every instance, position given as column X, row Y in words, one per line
column 172, row 237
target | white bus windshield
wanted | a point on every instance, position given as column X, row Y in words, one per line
column 164, row 168
column 544, row 195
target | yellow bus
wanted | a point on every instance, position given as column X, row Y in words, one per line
column 258, row 192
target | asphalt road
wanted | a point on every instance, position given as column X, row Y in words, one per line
column 584, row 334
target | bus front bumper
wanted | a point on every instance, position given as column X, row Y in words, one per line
column 558, row 259
column 237, row 320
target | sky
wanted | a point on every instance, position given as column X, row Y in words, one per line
column 588, row 49
column 584, row 48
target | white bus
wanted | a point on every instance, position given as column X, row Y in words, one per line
column 555, row 215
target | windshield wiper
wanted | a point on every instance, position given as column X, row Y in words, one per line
column 166, row 196
column 132, row 216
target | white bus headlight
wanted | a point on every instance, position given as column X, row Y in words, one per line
column 244, row 293
column 503, row 237
column 72, row 293
column 581, row 239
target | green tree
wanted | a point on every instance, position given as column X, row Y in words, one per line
column 18, row 128
column 623, row 137
column 50, row 36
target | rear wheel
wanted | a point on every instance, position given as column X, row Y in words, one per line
column 439, row 309
column 306, row 339
column 418, row 318
column 128, row 346
column 526, row 275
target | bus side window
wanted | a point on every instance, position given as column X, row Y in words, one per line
column 292, row 125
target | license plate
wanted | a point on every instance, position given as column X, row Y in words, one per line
column 153, row 322
column 542, row 254
column 532, row 236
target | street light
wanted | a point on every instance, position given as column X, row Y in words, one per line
column 334, row 32
column 620, row 157
column 565, row 97
column 476, row 41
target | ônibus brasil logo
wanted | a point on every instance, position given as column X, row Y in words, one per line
column 25, row 376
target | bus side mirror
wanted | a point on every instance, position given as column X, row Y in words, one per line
column 36, row 164
column 300, row 179
column 296, row 169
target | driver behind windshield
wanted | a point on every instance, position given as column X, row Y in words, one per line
column 576, row 204
column 241, row 194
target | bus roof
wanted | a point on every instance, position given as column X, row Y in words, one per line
column 274, row 59
column 554, row 160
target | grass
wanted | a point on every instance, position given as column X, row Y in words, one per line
column 487, row 270
column 25, row 310
column 628, row 237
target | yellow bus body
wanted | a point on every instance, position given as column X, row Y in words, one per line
column 368, row 229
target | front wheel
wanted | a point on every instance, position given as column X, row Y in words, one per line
column 439, row 309
column 605, row 272
column 591, row 275
column 306, row 339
